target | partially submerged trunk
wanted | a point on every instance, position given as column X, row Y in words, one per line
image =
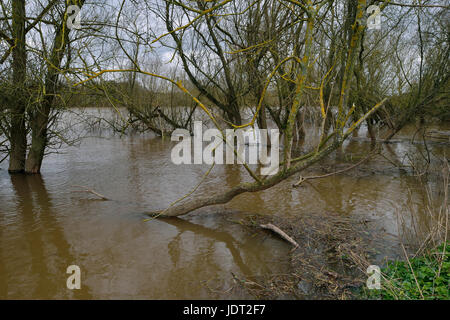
column 262, row 121
column 371, row 132
column 292, row 166
column 40, row 116
column 39, row 139
column 300, row 134
column 18, row 133
column 194, row 204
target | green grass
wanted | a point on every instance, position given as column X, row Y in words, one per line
column 430, row 280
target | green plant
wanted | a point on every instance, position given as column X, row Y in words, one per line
column 425, row 277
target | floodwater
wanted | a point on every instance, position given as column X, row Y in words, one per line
column 46, row 226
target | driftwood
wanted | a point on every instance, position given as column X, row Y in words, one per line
column 86, row 189
column 281, row 233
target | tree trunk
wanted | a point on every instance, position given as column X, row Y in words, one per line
column 18, row 133
column 262, row 121
column 371, row 131
column 299, row 135
column 194, row 204
column 39, row 139
column 233, row 113
column 41, row 114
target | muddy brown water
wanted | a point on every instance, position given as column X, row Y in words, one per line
column 45, row 226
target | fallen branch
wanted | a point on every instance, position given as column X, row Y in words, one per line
column 86, row 189
column 281, row 233
column 303, row 179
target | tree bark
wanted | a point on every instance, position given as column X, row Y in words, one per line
column 41, row 115
column 39, row 138
column 300, row 134
column 18, row 132
column 194, row 204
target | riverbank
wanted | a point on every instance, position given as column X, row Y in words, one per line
column 334, row 257
column 423, row 277
column 329, row 262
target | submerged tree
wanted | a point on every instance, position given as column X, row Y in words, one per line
column 283, row 56
column 30, row 99
column 301, row 62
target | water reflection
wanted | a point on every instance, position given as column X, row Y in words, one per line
column 37, row 252
column 232, row 245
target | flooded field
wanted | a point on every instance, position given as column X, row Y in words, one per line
column 45, row 225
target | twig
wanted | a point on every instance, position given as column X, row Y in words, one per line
column 281, row 233
column 86, row 189
column 303, row 179
column 445, row 175
column 412, row 271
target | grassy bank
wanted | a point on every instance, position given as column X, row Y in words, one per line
column 424, row 277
